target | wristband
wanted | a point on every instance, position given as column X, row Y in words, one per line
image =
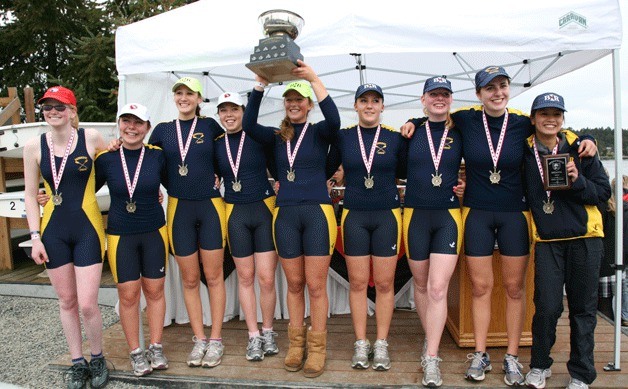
column 260, row 84
column 35, row 232
column 35, row 236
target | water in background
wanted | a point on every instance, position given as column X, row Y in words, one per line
column 609, row 164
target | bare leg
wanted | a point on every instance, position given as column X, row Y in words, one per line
column 294, row 269
column 514, row 278
column 266, row 266
column 316, row 270
column 64, row 282
column 245, row 267
column 191, row 279
column 481, row 274
column 87, row 285
column 155, row 306
column 129, row 294
column 384, row 277
column 359, row 271
column 212, row 267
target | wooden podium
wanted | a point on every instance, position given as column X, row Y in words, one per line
column 459, row 319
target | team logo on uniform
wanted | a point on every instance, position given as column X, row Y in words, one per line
column 198, row 137
column 440, row 80
column 448, row 142
column 551, row 97
column 492, row 69
column 82, row 162
column 226, row 95
column 133, row 106
column 380, row 148
column 55, row 90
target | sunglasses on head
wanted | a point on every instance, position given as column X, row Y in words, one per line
column 58, row 107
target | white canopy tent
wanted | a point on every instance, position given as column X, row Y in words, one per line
column 399, row 44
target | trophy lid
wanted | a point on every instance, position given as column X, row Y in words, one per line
column 280, row 21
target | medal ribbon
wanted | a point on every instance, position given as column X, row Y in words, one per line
column 131, row 186
column 291, row 155
column 540, row 165
column 368, row 163
column 235, row 167
column 184, row 150
column 502, row 134
column 56, row 178
column 436, row 157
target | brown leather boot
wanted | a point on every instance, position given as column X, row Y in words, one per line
column 296, row 350
column 316, row 353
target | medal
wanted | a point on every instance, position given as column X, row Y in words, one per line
column 548, row 206
column 183, row 149
column 368, row 162
column 130, row 205
column 57, row 199
column 495, row 176
column 236, row 185
column 437, row 179
column 291, row 156
column 56, row 178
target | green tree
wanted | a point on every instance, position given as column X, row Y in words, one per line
column 69, row 42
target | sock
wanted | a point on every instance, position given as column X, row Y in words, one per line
column 78, row 360
column 253, row 334
column 99, row 355
column 216, row 339
column 267, row 329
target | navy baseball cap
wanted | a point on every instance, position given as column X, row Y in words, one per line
column 548, row 100
column 486, row 75
column 437, row 83
column 362, row 89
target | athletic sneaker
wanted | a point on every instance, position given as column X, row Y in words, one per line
column 575, row 383
column 198, row 352
column 431, row 371
column 213, row 356
column 98, row 372
column 254, row 350
column 269, row 345
column 479, row 363
column 76, row 376
column 155, row 355
column 139, row 363
column 381, row 360
column 362, row 352
column 512, row 370
column 536, row 377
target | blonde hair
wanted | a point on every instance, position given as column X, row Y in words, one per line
column 75, row 120
column 612, row 202
column 449, row 122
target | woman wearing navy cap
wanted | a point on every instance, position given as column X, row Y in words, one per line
column 304, row 223
column 72, row 239
column 495, row 209
column 432, row 220
column 372, row 156
column 137, row 240
column 567, row 230
column 250, row 202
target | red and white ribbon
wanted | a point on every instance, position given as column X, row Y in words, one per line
column 368, row 162
column 502, row 134
column 540, row 165
column 56, row 178
column 183, row 150
column 291, row 155
column 235, row 166
column 436, row 157
column 131, row 185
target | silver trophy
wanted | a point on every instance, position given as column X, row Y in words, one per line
column 275, row 56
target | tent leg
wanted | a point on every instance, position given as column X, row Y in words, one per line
column 619, row 270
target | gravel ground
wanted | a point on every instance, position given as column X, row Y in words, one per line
column 31, row 337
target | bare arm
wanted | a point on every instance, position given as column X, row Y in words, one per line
column 305, row 72
column 32, row 158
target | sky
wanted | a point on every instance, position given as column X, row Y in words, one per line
column 588, row 92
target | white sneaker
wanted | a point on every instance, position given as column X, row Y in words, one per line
column 575, row 383
column 536, row 377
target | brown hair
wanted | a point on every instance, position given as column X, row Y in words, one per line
column 286, row 130
column 75, row 120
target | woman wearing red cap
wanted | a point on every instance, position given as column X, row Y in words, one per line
column 304, row 223
column 495, row 209
column 69, row 238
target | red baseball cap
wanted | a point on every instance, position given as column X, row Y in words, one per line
column 59, row 93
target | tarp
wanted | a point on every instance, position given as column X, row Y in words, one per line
column 401, row 44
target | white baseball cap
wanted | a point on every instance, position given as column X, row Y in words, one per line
column 134, row 109
column 230, row 97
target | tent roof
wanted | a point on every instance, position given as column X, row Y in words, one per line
column 401, row 44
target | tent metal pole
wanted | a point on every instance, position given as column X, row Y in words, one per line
column 619, row 216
